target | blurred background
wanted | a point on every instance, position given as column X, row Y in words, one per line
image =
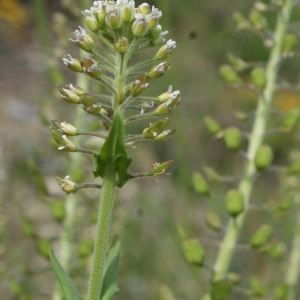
column 148, row 212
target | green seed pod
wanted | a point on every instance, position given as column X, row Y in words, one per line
column 58, row 210
column 291, row 119
column 28, row 227
column 278, row 250
column 288, row 45
column 85, row 248
column 229, row 74
column 293, row 169
column 258, row 78
column 261, row 237
column 257, row 288
column 264, row 157
column 241, row 22
column 234, row 203
column 233, row 138
column 213, row 221
column 286, row 203
column 238, row 64
column 193, row 251
column 221, row 290
column 42, row 247
column 258, row 20
column 211, row 174
column 200, row 185
column 212, row 126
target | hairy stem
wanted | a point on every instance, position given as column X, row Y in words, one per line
column 102, row 235
column 229, row 242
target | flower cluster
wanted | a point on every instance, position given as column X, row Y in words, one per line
column 119, row 31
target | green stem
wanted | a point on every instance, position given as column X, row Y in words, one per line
column 229, row 242
column 102, row 235
column 293, row 268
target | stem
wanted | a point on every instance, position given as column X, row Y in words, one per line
column 293, row 268
column 259, row 127
column 102, row 234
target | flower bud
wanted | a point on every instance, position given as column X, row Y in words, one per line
column 258, row 78
column 234, row 203
column 83, row 40
column 66, row 184
column 65, row 128
column 212, row 125
column 200, row 185
column 91, row 20
column 263, row 157
column 164, row 97
column 261, row 236
column 139, row 26
column 64, row 144
column 72, row 63
column 122, row 45
column 139, row 85
column 155, row 129
column 143, row 9
column 71, row 94
column 159, row 70
column 233, row 138
column 91, row 68
column 128, row 12
column 113, row 17
column 167, row 106
column 166, row 50
column 229, row 75
column 193, row 251
column 159, row 169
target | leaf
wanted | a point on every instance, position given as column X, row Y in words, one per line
column 67, row 285
column 113, row 154
column 110, row 287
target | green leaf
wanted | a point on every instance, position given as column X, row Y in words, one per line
column 113, row 154
column 110, row 287
column 67, row 285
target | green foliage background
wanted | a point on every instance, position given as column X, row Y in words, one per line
column 147, row 212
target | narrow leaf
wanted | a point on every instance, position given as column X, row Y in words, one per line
column 67, row 285
column 110, row 287
column 113, row 154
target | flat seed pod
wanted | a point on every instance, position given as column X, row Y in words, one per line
column 264, row 157
column 233, row 138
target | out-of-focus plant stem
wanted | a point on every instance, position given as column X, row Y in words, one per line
column 293, row 269
column 229, row 242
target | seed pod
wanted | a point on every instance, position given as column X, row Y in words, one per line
column 233, row 138
column 281, row 291
column 193, row 251
column 258, row 20
column 200, row 185
column 241, row 22
column 257, row 288
column 211, row 174
column 258, row 78
column 291, row 119
column 234, row 203
column 288, row 45
column 212, row 126
column 229, row 74
column 237, row 63
column 213, row 221
column 264, row 157
column 286, row 203
column 293, row 169
column 58, row 210
column 261, row 236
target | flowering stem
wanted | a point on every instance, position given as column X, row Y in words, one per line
column 102, row 235
column 259, row 127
